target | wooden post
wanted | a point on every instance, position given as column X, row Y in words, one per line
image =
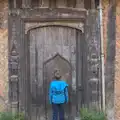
column 93, row 4
column 26, row 3
column 52, row 3
column 79, row 3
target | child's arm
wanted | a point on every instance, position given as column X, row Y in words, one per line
column 66, row 94
column 50, row 94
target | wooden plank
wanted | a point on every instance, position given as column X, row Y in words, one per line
column 79, row 78
column 56, row 14
column 18, row 3
column 61, row 3
column 52, row 4
column 11, row 3
column 79, row 3
column 32, row 61
column 71, row 3
column 93, row 4
column 22, row 64
column 14, row 42
column 26, row 3
column 45, row 3
column 35, row 3
column 37, row 45
column 87, row 4
column 92, row 51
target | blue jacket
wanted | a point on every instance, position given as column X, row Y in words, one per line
column 58, row 92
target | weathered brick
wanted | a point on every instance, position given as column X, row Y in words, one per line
column 117, row 61
column 3, row 54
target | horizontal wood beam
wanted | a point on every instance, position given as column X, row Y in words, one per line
column 46, row 14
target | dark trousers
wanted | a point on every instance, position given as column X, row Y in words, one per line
column 58, row 111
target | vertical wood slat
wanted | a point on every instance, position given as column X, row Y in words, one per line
column 78, row 69
column 71, row 3
column 36, row 65
column 10, row 42
column 23, row 67
column 9, row 52
column 83, row 69
column 93, row 51
column 18, row 31
column 87, row 92
column 61, row 3
column 87, row 4
column 26, row 77
column 34, row 3
column 11, row 4
column 39, row 3
column 32, row 73
column 36, row 58
column 79, row 4
column 14, row 38
column 45, row 3
column 14, row 3
column 28, row 81
column 26, row 3
column 97, row 3
column 93, row 4
column 52, row 3
column 18, row 3
column 32, row 62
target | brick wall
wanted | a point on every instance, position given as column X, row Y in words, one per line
column 3, row 13
column 117, row 56
column 117, row 75
column 3, row 55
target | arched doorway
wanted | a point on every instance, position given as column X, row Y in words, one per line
column 49, row 47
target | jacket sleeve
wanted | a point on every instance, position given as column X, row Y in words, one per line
column 66, row 94
column 50, row 94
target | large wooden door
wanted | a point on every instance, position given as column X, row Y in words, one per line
column 49, row 48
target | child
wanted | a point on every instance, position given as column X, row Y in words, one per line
column 58, row 95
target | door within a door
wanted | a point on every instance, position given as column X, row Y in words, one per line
column 56, row 62
column 49, row 48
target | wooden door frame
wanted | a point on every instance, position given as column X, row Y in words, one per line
column 17, row 20
column 80, row 57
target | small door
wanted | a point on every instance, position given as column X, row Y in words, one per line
column 54, row 47
column 65, row 68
